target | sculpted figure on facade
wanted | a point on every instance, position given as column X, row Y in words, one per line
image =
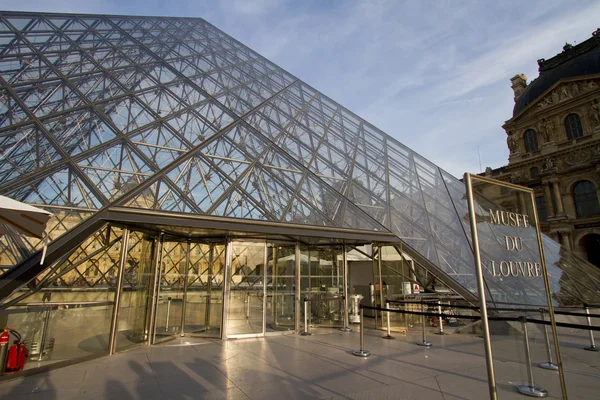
column 548, row 164
column 590, row 85
column 546, row 129
column 564, row 93
column 555, row 96
column 595, row 112
column 512, row 142
column 575, row 89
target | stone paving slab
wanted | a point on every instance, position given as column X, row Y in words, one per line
column 320, row 366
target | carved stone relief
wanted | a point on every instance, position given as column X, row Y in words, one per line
column 566, row 91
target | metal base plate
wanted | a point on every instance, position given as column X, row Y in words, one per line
column 533, row 391
column 440, row 333
column 549, row 365
column 388, row 337
column 426, row 343
column 591, row 348
column 361, row 353
column 346, row 329
column 305, row 333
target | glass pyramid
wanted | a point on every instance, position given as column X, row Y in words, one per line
column 175, row 116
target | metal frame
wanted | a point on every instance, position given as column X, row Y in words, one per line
column 137, row 119
column 469, row 178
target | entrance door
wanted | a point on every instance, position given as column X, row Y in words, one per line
column 247, row 290
column 281, row 288
column 190, row 291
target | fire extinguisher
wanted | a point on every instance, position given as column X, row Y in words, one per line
column 17, row 354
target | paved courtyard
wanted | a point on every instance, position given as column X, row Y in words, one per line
column 318, row 366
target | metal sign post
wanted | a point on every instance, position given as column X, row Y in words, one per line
column 489, row 360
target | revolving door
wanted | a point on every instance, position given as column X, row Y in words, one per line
column 190, row 290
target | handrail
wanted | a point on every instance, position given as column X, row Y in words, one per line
column 35, row 307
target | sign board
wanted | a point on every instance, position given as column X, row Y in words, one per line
column 416, row 289
column 508, row 255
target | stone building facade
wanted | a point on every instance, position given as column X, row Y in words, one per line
column 554, row 142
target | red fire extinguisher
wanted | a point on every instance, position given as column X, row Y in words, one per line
column 17, row 354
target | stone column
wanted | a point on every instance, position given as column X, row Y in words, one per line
column 560, row 210
column 521, row 201
column 565, row 238
column 548, row 196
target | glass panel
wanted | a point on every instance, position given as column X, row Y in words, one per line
column 281, row 287
column 321, row 281
column 246, row 295
column 204, row 296
column 170, row 299
column 59, row 332
column 137, row 282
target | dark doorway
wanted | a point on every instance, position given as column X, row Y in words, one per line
column 591, row 243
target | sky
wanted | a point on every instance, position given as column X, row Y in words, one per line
column 433, row 74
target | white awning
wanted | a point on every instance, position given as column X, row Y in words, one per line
column 26, row 219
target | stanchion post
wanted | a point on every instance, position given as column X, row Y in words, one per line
column 307, row 331
column 346, row 327
column 589, row 322
column 387, row 313
column 530, row 389
column 44, row 334
column 247, row 305
column 440, row 319
column 423, row 342
column 362, row 352
column 168, row 314
column 549, row 364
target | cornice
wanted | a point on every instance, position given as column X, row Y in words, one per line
column 529, row 112
column 569, row 52
column 591, row 147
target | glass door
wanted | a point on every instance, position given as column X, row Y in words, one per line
column 190, row 297
column 281, row 284
column 204, row 295
column 322, row 283
column 171, row 290
column 247, row 289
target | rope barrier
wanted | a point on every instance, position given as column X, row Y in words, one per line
column 532, row 310
column 476, row 318
column 315, row 299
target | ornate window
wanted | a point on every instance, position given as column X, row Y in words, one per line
column 531, row 142
column 534, row 172
column 540, row 204
column 573, row 126
column 586, row 199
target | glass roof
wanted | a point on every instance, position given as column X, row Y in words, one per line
column 173, row 115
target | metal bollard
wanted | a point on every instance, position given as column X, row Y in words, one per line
column 346, row 327
column 389, row 333
column 440, row 319
column 44, row 335
column 530, row 389
column 423, row 342
column 168, row 313
column 589, row 322
column 307, row 331
column 247, row 305
column 549, row 364
column 362, row 352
